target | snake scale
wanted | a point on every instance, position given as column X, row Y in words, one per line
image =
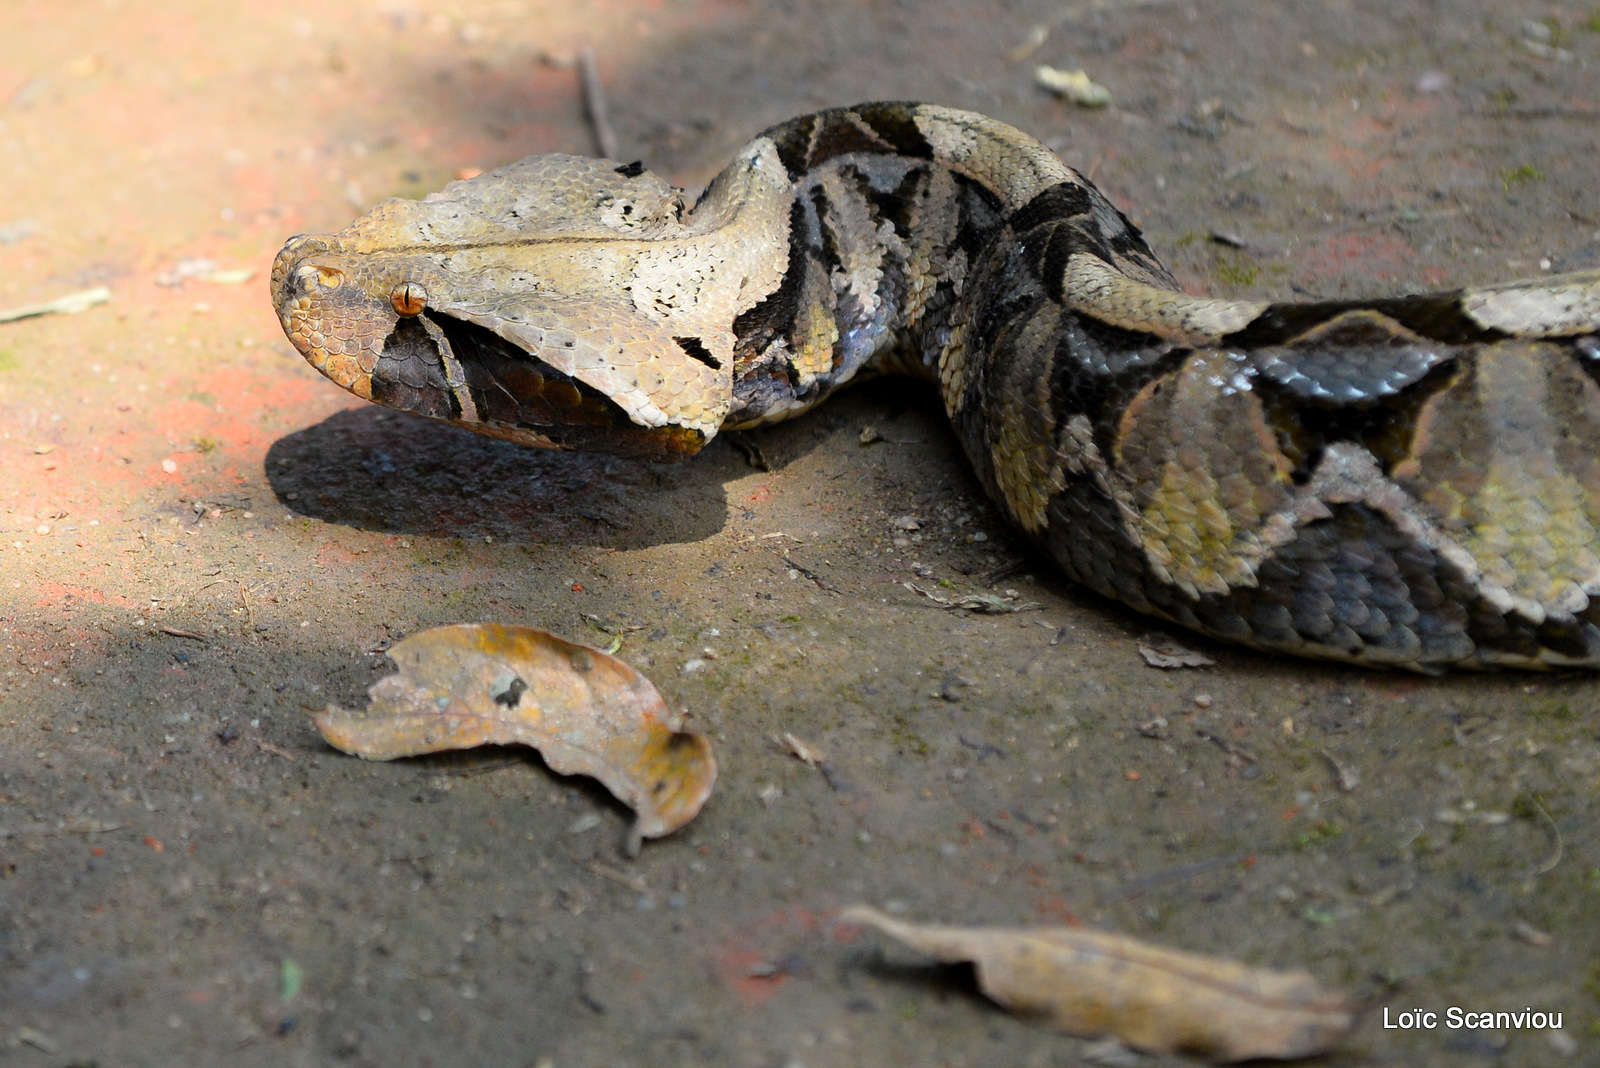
column 1409, row 481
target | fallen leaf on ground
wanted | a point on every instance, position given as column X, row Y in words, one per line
column 492, row 684
column 71, row 304
column 799, row 749
column 1073, row 85
column 1093, row 984
column 1160, row 651
column 38, row 1040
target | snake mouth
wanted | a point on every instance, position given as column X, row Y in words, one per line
column 446, row 368
column 385, row 343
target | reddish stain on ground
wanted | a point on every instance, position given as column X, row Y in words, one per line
column 1377, row 256
column 734, row 968
column 749, row 960
column 48, row 594
column 330, row 555
column 1058, row 910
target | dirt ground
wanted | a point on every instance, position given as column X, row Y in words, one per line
column 202, row 540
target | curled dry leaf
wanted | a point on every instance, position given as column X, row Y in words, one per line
column 799, row 749
column 492, row 684
column 1160, row 651
column 1093, row 984
column 1073, row 85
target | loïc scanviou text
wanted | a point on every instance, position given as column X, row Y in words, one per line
column 1455, row 1018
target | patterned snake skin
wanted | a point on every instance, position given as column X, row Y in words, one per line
column 1411, row 481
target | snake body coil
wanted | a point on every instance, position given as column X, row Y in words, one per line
column 1410, row 481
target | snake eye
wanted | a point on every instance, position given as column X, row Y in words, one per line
column 409, row 298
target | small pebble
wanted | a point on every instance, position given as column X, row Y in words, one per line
column 587, row 822
column 1433, row 81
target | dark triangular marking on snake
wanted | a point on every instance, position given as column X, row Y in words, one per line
column 895, row 124
column 696, row 349
column 980, row 215
column 1435, row 315
column 1385, row 428
column 843, row 133
column 1064, row 200
column 1356, row 356
column 409, row 375
column 774, row 316
column 793, row 142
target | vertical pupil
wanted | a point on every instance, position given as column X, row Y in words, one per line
column 409, row 298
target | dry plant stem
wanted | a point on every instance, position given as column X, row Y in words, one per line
column 594, row 103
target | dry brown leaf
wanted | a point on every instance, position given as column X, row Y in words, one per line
column 1073, row 85
column 799, row 749
column 492, row 684
column 1092, row 984
column 1160, row 651
column 71, row 304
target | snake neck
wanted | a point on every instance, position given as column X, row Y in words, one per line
column 895, row 209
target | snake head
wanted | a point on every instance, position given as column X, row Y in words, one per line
column 558, row 302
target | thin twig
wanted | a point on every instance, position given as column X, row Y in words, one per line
column 822, row 583
column 1555, row 858
column 594, row 103
column 179, row 632
column 268, row 747
column 44, row 830
column 632, row 882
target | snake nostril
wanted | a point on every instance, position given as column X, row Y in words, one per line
column 409, row 298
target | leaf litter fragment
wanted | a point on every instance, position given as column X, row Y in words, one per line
column 588, row 713
column 987, row 604
column 1092, row 984
column 800, row 749
column 71, row 304
column 1073, row 85
column 1160, row 651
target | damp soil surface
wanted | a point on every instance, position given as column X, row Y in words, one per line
column 203, row 540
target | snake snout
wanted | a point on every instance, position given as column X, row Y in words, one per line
column 289, row 265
